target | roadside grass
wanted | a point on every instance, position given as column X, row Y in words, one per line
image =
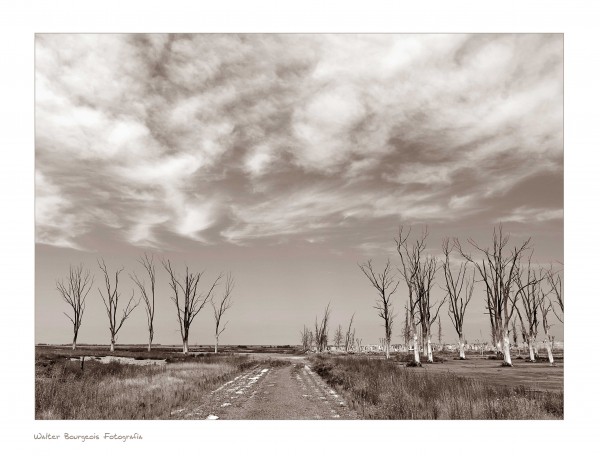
column 120, row 391
column 385, row 390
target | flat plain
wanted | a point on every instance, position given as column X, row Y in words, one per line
column 283, row 383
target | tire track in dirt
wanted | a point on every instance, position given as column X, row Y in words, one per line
column 283, row 391
column 336, row 406
column 231, row 393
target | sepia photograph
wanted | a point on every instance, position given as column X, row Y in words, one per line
column 289, row 226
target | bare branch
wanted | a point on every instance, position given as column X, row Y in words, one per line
column 187, row 297
column 386, row 285
column 74, row 292
column 111, row 302
column 499, row 270
column 223, row 305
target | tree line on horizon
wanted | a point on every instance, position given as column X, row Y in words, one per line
column 186, row 294
column 515, row 289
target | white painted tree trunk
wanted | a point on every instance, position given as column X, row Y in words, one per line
column 416, row 348
column 185, row 347
column 461, row 347
column 530, row 344
column 150, row 346
column 217, row 344
column 429, row 349
column 74, row 342
column 549, row 349
column 506, row 347
column 387, row 348
column 112, row 345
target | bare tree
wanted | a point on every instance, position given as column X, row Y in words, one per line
column 74, row 292
column 410, row 258
column 440, row 332
column 311, row 339
column 111, row 303
column 321, row 331
column 532, row 296
column 190, row 301
column 338, row 337
column 459, row 289
column 499, row 270
column 220, row 309
column 428, row 310
column 555, row 281
column 359, row 344
column 406, row 329
column 305, row 338
column 386, row 285
column 350, row 336
column 382, row 342
column 147, row 294
column 545, row 308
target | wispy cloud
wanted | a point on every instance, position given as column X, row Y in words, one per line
column 246, row 138
column 531, row 215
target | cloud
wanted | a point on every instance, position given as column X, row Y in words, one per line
column 266, row 138
column 529, row 215
column 258, row 162
column 55, row 224
column 324, row 126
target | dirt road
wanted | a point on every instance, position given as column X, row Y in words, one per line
column 281, row 392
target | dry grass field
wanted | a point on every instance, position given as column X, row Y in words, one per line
column 538, row 376
column 389, row 390
column 132, row 383
column 116, row 390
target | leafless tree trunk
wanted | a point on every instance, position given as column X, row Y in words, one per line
column 532, row 296
column 349, row 339
column 359, row 344
column 410, row 258
column 305, row 338
column 555, row 281
column 499, row 270
column 406, row 329
column 111, row 303
column 428, row 310
column 219, row 310
column 545, row 310
column 74, row 292
column 459, row 289
column 386, row 285
column 147, row 295
column 321, row 331
column 190, row 301
column 338, row 337
column 493, row 329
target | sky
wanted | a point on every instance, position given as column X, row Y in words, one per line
column 287, row 160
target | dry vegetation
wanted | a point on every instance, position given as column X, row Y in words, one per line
column 382, row 390
column 118, row 391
